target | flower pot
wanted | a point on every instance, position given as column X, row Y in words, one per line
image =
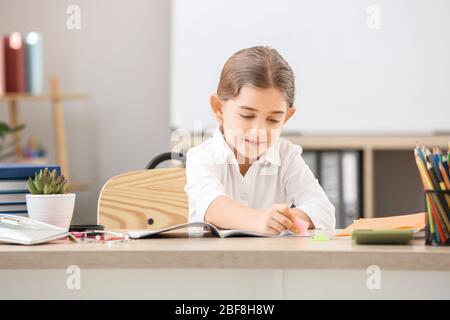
column 54, row 209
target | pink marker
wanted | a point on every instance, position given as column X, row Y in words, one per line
column 301, row 224
column 302, row 227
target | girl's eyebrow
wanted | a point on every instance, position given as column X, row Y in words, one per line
column 256, row 110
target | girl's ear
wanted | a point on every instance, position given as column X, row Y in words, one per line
column 216, row 107
column 290, row 112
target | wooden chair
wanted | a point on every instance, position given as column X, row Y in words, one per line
column 144, row 199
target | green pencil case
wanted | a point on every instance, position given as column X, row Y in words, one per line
column 366, row 236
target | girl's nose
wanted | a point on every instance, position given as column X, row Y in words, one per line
column 258, row 126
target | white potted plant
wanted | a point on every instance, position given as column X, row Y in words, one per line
column 48, row 201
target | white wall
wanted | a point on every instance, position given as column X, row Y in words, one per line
column 349, row 78
column 120, row 57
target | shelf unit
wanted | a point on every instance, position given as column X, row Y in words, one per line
column 55, row 97
column 369, row 145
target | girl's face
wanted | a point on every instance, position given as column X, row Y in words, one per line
column 252, row 121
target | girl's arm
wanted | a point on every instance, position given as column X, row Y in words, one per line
column 226, row 213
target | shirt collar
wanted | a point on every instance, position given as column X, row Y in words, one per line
column 227, row 155
column 270, row 156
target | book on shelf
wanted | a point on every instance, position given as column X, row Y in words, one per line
column 21, row 63
column 2, row 70
column 14, row 63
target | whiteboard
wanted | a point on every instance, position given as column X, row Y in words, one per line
column 352, row 75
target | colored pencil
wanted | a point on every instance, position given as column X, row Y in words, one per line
column 434, row 172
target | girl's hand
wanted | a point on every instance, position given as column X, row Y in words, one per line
column 276, row 219
column 299, row 214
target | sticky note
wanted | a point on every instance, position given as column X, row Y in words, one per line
column 302, row 227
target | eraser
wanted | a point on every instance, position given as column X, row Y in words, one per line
column 320, row 237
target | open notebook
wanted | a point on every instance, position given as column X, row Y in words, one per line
column 202, row 227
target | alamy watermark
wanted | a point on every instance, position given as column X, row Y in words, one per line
column 73, row 281
column 73, row 21
column 373, row 21
column 373, row 281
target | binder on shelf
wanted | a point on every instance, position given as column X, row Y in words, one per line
column 311, row 159
column 339, row 174
column 330, row 180
column 351, row 186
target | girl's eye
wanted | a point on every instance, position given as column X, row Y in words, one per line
column 274, row 121
column 246, row 116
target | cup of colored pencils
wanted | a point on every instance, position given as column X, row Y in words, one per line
column 434, row 172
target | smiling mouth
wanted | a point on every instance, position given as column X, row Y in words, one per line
column 254, row 142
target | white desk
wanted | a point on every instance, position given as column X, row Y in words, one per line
column 225, row 268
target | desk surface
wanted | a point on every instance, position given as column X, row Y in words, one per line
column 278, row 253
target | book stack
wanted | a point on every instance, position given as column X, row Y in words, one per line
column 13, row 186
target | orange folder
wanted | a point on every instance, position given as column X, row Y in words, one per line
column 414, row 221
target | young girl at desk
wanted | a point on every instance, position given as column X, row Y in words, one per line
column 246, row 177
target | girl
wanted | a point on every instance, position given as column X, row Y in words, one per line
column 246, row 177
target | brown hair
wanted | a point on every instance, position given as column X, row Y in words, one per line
column 262, row 67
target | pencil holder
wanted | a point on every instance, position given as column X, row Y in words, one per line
column 437, row 225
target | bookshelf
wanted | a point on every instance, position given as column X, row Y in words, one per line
column 55, row 97
column 388, row 168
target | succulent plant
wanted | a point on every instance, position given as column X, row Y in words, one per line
column 46, row 182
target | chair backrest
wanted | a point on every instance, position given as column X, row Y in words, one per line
column 144, row 199
column 166, row 156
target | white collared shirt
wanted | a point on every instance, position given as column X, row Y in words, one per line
column 280, row 175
